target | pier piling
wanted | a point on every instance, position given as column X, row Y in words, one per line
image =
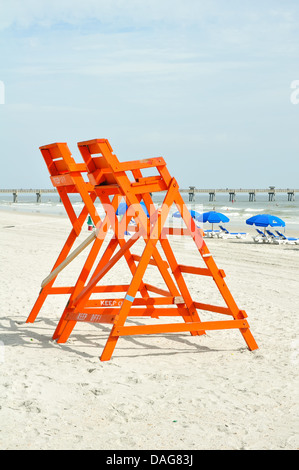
column 291, row 195
column 212, row 196
column 191, row 193
column 271, row 196
column 232, row 196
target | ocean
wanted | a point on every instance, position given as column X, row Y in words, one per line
column 237, row 211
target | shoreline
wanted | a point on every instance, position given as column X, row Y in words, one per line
column 233, row 226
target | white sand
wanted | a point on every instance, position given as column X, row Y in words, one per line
column 157, row 392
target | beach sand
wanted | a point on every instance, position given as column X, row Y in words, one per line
column 158, row 392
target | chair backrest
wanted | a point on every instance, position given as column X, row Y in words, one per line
column 60, row 163
column 99, row 167
column 260, row 232
column 224, row 229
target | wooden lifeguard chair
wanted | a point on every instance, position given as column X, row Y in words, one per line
column 112, row 181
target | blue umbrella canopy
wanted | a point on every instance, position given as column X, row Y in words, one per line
column 213, row 217
column 263, row 220
column 193, row 213
column 122, row 208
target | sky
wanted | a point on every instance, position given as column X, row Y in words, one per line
column 210, row 85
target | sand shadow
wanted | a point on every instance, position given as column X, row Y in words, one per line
column 36, row 335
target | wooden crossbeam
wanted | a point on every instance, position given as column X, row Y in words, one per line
column 178, row 327
column 93, row 315
column 70, row 258
column 194, row 270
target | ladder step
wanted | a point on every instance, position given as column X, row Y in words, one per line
column 194, row 270
column 151, row 261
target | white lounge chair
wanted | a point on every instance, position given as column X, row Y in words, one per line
column 261, row 237
column 289, row 240
column 212, row 233
column 274, row 238
column 227, row 234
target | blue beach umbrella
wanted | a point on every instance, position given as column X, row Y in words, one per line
column 193, row 213
column 122, row 208
column 213, row 217
column 263, row 220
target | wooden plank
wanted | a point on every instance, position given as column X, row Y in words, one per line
column 112, row 288
column 137, row 301
column 107, row 189
column 146, row 180
column 152, row 187
column 194, row 270
column 212, row 308
column 151, row 261
column 91, row 318
column 70, row 258
column 139, row 164
column 178, row 327
column 157, row 290
column 87, row 314
column 62, row 180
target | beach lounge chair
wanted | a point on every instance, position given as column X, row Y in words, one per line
column 291, row 240
column 212, row 233
column 227, row 234
column 274, row 238
column 260, row 237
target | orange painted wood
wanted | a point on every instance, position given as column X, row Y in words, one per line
column 194, row 270
column 178, row 327
column 87, row 313
column 109, row 183
column 137, row 301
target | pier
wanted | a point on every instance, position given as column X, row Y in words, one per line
column 38, row 192
column 232, row 193
column 192, row 191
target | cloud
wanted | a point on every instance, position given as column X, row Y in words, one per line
column 125, row 12
column 25, row 13
column 209, row 27
column 209, row 80
column 138, row 14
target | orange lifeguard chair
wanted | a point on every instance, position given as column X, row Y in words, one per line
column 110, row 182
